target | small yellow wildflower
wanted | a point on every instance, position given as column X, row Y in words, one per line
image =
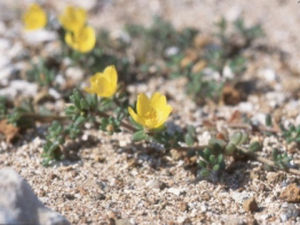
column 34, row 18
column 151, row 113
column 104, row 84
column 73, row 18
column 83, row 40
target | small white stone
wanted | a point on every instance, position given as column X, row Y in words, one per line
column 39, row 36
column 268, row 74
column 175, row 191
column 227, row 72
column 245, row 107
column 204, row 138
column 55, row 94
column 74, row 73
column 19, row 87
column 59, row 79
column 171, row 51
column 297, row 121
column 4, row 44
column 259, row 118
column 20, row 205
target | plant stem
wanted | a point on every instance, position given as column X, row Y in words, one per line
column 123, row 124
column 43, row 118
column 268, row 162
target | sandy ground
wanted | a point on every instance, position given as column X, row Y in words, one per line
column 117, row 183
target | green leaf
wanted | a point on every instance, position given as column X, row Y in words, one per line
column 239, row 138
column 255, row 146
column 188, row 139
column 212, row 159
column 202, row 164
column 216, row 168
column 139, row 136
column 190, row 136
column 83, row 104
column 268, row 120
column 206, row 153
column 135, row 124
column 220, row 158
column 204, row 173
column 216, row 144
column 230, row 148
column 236, row 137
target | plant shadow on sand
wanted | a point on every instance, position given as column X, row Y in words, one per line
column 151, row 155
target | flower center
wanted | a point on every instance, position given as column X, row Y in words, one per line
column 150, row 117
column 83, row 36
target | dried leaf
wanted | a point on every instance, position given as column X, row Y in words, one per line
column 230, row 95
column 9, row 130
column 236, row 117
column 199, row 66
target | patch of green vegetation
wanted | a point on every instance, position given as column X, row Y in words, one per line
column 212, row 157
column 210, row 60
column 83, row 109
column 41, row 74
column 291, row 134
column 282, row 160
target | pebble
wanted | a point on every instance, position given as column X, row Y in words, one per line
column 39, row 36
column 250, row 205
column 75, row 74
column 175, row 191
column 18, row 87
column 123, row 222
column 291, row 193
column 19, row 204
column 268, row 74
column 171, row 51
column 289, row 211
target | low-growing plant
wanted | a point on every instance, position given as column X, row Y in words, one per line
column 204, row 66
column 291, row 134
column 212, row 157
column 104, row 104
column 41, row 74
column 282, row 160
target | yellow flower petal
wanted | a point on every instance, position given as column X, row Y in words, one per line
column 158, row 100
column 103, row 87
column 163, row 114
column 83, row 40
column 135, row 117
column 86, row 39
column 34, row 18
column 111, row 74
column 69, row 39
column 151, row 113
column 73, row 18
column 104, row 84
column 143, row 105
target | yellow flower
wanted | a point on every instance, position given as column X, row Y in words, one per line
column 104, row 84
column 34, row 18
column 83, row 40
column 73, row 18
column 151, row 113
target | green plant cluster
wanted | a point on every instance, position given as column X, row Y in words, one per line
column 83, row 109
column 161, row 135
column 224, row 51
column 160, row 36
column 282, row 160
column 291, row 134
column 212, row 157
column 17, row 115
column 41, row 74
column 164, row 48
